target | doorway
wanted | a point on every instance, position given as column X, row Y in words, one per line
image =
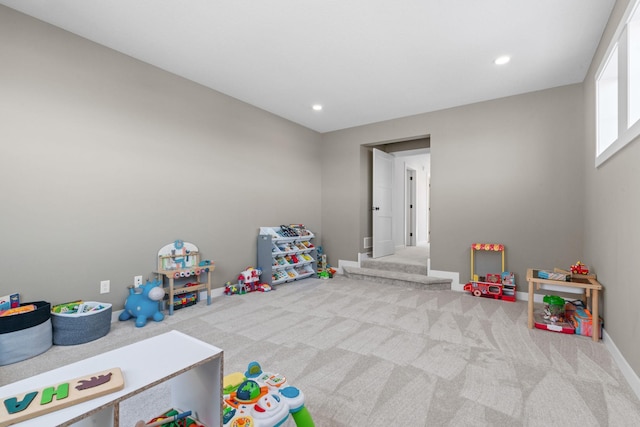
column 410, row 193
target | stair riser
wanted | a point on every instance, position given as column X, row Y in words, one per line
column 391, row 266
column 399, row 282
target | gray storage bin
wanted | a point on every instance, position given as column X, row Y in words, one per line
column 79, row 328
column 25, row 335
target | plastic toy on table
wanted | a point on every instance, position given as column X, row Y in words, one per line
column 579, row 268
column 262, row 399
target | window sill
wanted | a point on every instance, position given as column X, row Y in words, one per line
column 626, row 138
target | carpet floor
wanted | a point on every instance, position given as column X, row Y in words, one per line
column 368, row 354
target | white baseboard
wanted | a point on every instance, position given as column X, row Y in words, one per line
column 344, row 263
column 202, row 297
column 115, row 315
column 524, row 296
column 626, row 369
column 355, row 264
column 361, row 256
column 453, row 275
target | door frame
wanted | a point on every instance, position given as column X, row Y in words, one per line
column 417, row 143
column 410, row 207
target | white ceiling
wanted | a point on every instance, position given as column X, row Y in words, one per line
column 364, row 60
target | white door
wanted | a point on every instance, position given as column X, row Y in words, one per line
column 382, row 213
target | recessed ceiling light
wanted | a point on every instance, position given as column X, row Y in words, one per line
column 317, row 107
column 501, row 60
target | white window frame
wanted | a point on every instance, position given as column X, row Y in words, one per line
column 634, row 67
column 626, row 131
column 607, row 99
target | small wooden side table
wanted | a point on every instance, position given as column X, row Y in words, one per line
column 589, row 284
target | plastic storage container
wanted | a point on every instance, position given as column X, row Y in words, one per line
column 583, row 321
column 553, row 307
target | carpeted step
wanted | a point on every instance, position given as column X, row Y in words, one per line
column 415, row 281
column 402, row 267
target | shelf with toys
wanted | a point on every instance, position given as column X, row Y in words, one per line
column 578, row 320
column 493, row 285
column 286, row 253
column 173, row 358
column 179, row 262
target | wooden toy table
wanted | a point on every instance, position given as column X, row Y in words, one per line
column 181, row 260
column 194, row 368
column 589, row 284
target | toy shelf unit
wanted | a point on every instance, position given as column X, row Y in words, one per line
column 566, row 282
column 286, row 254
column 492, row 285
column 192, row 369
column 180, row 264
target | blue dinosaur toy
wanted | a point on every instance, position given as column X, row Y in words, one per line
column 143, row 303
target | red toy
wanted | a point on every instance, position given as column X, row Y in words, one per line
column 579, row 268
column 498, row 286
column 248, row 281
column 487, row 289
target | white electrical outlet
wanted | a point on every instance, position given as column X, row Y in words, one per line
column 105, row 286
column 137, row 281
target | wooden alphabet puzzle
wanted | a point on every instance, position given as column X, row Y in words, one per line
column 15, row 409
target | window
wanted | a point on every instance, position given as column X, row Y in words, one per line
column 618, row 89
column 633, row 36
column 607, row 89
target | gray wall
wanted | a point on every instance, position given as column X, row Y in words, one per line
column 612, row 219
column 104, row 160
column 504, row 171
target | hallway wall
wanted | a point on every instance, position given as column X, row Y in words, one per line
column 493, row 164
